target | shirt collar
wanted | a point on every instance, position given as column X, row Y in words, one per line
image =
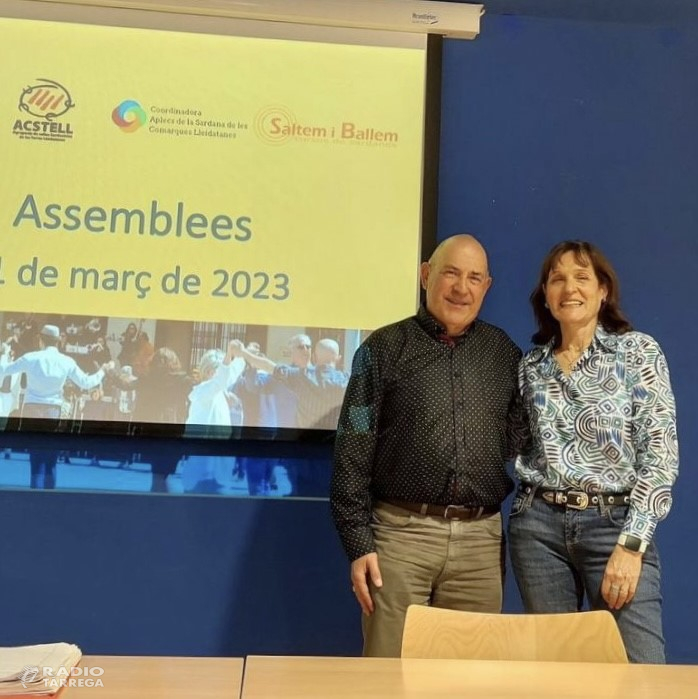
column 434, row 329
column 603, row 341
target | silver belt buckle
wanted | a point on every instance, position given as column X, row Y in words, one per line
column 576, row 499
column 463, row 512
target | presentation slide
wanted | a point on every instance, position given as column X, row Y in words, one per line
column 209, row 219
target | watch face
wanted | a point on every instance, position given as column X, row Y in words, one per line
column 632, row 543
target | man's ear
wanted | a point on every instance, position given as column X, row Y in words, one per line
column 424, row 274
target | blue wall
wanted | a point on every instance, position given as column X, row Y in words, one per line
column 131, row 574
column 557, row 129
column 551, row 129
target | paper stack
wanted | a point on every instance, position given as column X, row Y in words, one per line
column 41, row 669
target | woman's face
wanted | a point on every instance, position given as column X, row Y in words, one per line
column 573, row 293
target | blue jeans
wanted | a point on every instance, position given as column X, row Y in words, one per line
column 559, row 556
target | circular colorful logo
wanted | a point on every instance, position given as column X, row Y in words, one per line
column 129, row 116
column 274, row 124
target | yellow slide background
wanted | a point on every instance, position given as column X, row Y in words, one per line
column 335, row 215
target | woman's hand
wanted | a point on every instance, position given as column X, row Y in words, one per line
column 621, row 577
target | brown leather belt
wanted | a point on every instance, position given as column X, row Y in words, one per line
column 446, row 511
column 579, row 500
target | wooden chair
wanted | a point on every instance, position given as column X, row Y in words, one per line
column 578, row 637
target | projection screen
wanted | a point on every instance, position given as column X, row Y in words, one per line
column 174, row 185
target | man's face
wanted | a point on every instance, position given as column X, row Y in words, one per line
column 326, row 354
column 456, row 282
column 301, row 348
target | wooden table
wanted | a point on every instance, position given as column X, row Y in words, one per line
column 390, row 678
column 132, row 677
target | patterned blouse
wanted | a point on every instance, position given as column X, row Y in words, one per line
column 609, row 427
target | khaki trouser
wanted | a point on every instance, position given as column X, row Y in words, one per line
column 454, row 564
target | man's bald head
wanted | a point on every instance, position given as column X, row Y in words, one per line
column 464, row 240
column 327, row 352
column 456, row 279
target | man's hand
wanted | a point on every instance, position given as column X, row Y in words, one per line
column 235, row 348
column 232, row 351
column 362, row 570
column 621, row 577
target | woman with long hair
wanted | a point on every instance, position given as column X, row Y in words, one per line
column 603, row 458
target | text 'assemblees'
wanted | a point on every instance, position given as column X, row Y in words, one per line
column 155, row 221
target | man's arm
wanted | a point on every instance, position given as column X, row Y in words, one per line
column 518, row 428
column 254, row 360
column 518, row 431
column 7, row 366
column 87, row 381
column 350, row 494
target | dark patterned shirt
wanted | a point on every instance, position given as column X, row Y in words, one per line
column 426, row 419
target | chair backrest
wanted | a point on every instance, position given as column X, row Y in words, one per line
column 578, row 637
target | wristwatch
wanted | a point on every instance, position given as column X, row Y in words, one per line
column 632, row 543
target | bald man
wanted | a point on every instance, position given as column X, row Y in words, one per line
column 318, row 388
column 430, row 417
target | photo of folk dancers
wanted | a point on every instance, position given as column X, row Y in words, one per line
column 214, row 383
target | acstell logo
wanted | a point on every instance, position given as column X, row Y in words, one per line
column 46, row 99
